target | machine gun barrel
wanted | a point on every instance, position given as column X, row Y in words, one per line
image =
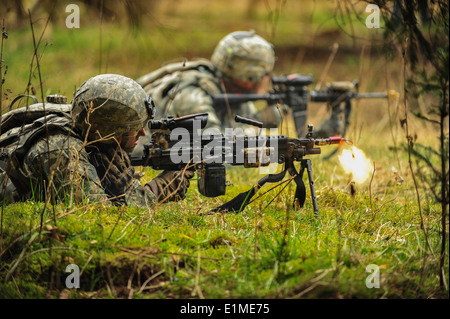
column 332, row 95
column 330, row 140
column 372, row 95
column 244, row 120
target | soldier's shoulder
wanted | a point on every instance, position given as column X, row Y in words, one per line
column 193, row 67
column 59, row 141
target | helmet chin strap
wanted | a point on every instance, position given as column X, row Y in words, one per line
column 122, row 141
column 128, row 150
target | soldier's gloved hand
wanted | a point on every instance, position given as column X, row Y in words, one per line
column 273, row 115
column 171, row 185
column 331, row 126
column 341, row 85
column 115, row 172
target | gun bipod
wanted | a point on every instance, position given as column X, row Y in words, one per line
column 300, row 193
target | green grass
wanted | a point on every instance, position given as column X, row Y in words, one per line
column 274, row 252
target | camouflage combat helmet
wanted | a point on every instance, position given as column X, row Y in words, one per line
column 109, row 105
column 244, row 56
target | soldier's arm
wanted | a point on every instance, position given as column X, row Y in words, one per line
column 270, row 116
column 66, row 165
column 193, row 100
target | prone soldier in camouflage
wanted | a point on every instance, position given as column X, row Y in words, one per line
column 241, row 63
column 83, row 154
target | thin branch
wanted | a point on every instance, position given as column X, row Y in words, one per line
column 408, row 138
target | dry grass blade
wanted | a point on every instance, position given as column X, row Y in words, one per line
column 144, row 285
column 21, row 256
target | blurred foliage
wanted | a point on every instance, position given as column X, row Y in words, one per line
column 133, row 12
column 303, row 33
column 421, row 29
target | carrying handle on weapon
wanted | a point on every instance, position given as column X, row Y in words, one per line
column 245, row 120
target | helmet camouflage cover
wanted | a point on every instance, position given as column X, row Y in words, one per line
column 244, row 56
column 109, row 105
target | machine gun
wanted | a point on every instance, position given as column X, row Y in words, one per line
column 179, row 144
column 292, row 91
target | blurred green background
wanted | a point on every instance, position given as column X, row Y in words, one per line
column 135, row 37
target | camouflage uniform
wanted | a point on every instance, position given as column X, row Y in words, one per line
column 183, row 88
column 77, row 154
column 188, row 90
column 73, row 174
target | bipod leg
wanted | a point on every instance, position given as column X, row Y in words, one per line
column 300, row 191
column 308, row 164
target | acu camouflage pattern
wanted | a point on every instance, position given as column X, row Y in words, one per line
column 109, row 105
column 184, row 88
column 22, row 127
column 59, row 159
column 244, row 56
column 27, row 114
column 65, row 159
